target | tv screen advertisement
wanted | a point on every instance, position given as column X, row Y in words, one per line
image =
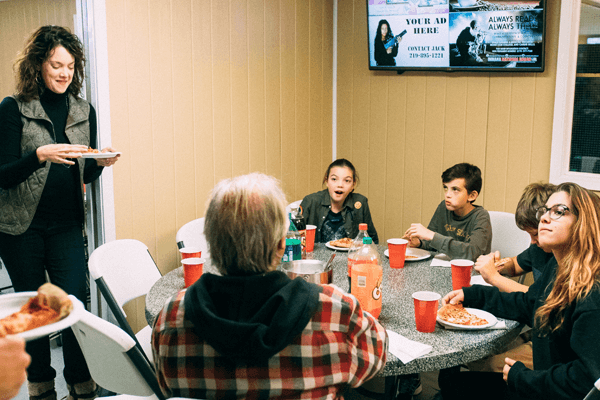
column 456, row 35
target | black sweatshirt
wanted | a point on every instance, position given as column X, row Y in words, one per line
column 566, row 362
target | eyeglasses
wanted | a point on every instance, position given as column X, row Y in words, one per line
column 556, row 211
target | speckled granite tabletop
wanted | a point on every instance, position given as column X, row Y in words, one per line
column 450, row 347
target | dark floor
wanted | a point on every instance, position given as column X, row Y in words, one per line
column 428, row 381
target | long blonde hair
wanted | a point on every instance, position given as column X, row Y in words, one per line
column 578, row 272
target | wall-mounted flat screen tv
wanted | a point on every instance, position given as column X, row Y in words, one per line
column 456, row 35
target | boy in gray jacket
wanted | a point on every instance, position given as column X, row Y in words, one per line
column 458, row 228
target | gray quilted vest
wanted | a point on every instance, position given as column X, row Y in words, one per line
column 18, row 204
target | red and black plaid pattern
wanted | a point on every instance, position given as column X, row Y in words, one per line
column 341, row 346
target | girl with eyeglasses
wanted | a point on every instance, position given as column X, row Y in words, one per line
column 562, row 307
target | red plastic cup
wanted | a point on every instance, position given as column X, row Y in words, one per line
column 461, row 273
column 310, row 237
column 190, row 252
column 192, row 270
column 426, row 306
column 397, row 252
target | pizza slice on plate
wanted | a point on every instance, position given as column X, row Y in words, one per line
column 50, row 305
column 456, row 314
column 345, row 242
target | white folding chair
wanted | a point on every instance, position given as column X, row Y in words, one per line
column 507, row 238
column 114, row 360
column 192, row 235
column 124, row 270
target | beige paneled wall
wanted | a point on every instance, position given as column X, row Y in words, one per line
column 203, row 90
column 403, row 131
column 18, row 20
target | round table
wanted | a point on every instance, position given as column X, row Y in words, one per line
column 450, row 347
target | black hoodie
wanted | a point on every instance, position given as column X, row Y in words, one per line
column 250, row 318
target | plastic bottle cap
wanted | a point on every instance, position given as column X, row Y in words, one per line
column 367, row 240
column 363, row 227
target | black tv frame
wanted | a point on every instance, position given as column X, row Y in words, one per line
column 471, row 68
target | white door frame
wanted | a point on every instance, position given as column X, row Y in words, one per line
column 94, row 18
column 564, row 97
column 102, row 212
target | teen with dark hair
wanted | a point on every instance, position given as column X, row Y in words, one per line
column 458, row 228
column 534, row 258
column 337, row 210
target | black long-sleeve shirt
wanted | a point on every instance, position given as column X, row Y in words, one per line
column 567, row 361
column 382, row 57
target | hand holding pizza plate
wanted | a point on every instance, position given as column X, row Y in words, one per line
column 95, row 153
column 100, row 155
column 67, row 311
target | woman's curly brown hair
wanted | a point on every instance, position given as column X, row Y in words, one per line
column 39, row 47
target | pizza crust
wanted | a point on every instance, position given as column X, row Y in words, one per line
column 50, row 305
column 345, row 243
column 500, row 263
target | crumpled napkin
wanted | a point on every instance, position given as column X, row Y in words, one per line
column 478, row 280
column 405, row 349
column 440, row 260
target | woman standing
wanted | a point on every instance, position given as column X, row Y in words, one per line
column 385, row 56
column 562, row 306
column 44, row 128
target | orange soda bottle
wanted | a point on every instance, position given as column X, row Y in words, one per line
column 356, row 244
column 366, row 276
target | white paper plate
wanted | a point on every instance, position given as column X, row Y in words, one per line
column 100, row 155
column 11, row 303
column 336, row 248
column 420, row 254
column 480, row 313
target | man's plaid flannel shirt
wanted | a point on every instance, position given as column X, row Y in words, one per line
column 341, row 346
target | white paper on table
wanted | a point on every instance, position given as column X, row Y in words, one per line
column 405, row 349
column 478, row 280
column 440, row 260
column 499, row 325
